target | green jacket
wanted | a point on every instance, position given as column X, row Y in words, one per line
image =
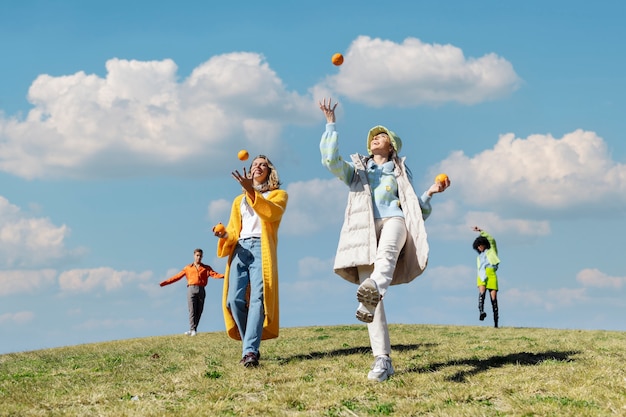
column 492, row 252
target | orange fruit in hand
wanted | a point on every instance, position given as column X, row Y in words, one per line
column 242, row 155
column 441, row 178
column 337, row 59
column 219, row 228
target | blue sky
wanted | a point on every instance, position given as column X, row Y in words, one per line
column 120, row 123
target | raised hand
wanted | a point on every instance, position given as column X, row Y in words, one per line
column 328, row 109
column 245, row 180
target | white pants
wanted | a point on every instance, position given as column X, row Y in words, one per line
column 391, row 234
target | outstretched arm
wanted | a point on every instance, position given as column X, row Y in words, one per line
column 329, row 146
column 438, row 187
column 492, row 242
column 424, row 199
column 173, row 279
column 213, row 273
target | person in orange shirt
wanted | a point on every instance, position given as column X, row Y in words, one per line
column 197, row 275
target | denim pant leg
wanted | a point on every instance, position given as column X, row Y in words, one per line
column 256, row 309
column 246, row 270
column 237, row 286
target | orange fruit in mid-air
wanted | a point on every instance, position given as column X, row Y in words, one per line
column 219, row 228
column 242, row 155
column 337, row 59
column 441, row 178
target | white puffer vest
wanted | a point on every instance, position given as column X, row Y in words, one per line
column 358, row 243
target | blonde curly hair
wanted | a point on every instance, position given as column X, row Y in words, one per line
column 272, row 182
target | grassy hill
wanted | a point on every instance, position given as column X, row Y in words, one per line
column 322, row 371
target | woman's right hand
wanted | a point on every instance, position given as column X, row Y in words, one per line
column 328, row 109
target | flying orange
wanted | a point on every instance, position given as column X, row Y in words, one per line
column 242, row 155
column 337, row 59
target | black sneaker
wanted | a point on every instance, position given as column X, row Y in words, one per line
column 482, row 316
column 250, row 360
column 243, row 360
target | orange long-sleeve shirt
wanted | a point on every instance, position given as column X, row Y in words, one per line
column 195, row 275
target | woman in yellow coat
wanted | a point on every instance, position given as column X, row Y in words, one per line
column 250, row 298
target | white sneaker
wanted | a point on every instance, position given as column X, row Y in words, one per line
column 381, row 369
column 368, row 296
column 364, row 314
column 190, row 333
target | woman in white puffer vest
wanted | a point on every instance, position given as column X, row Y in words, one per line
column 383, row 241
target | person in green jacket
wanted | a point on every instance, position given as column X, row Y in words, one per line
column 487, row 263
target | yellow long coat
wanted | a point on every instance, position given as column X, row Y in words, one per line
column 270, row 210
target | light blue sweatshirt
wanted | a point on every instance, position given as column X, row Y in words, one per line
column 381, row 178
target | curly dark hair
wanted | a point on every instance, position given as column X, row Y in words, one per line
column 481, row 240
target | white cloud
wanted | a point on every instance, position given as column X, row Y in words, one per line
column 329, row 287
column 25, row 281
column 496, row 224
column 30, row 241
column 541, row 172
column 140, row 119
column 456, row 278
column 219, row 211
column 314, row 205
column 86, row 280
column 311, row 266
column 382, row 73
column 451, row 221
column 21, row 317
column 113, row 324
column 596, row 278
column 547, row 299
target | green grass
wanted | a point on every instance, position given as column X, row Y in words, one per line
column 322, row 371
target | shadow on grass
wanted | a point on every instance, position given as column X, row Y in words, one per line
column 482, row 365
column 359, row 350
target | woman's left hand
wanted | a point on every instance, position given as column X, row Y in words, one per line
column 439, row 187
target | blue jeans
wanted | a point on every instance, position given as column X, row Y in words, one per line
column 246, row 269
